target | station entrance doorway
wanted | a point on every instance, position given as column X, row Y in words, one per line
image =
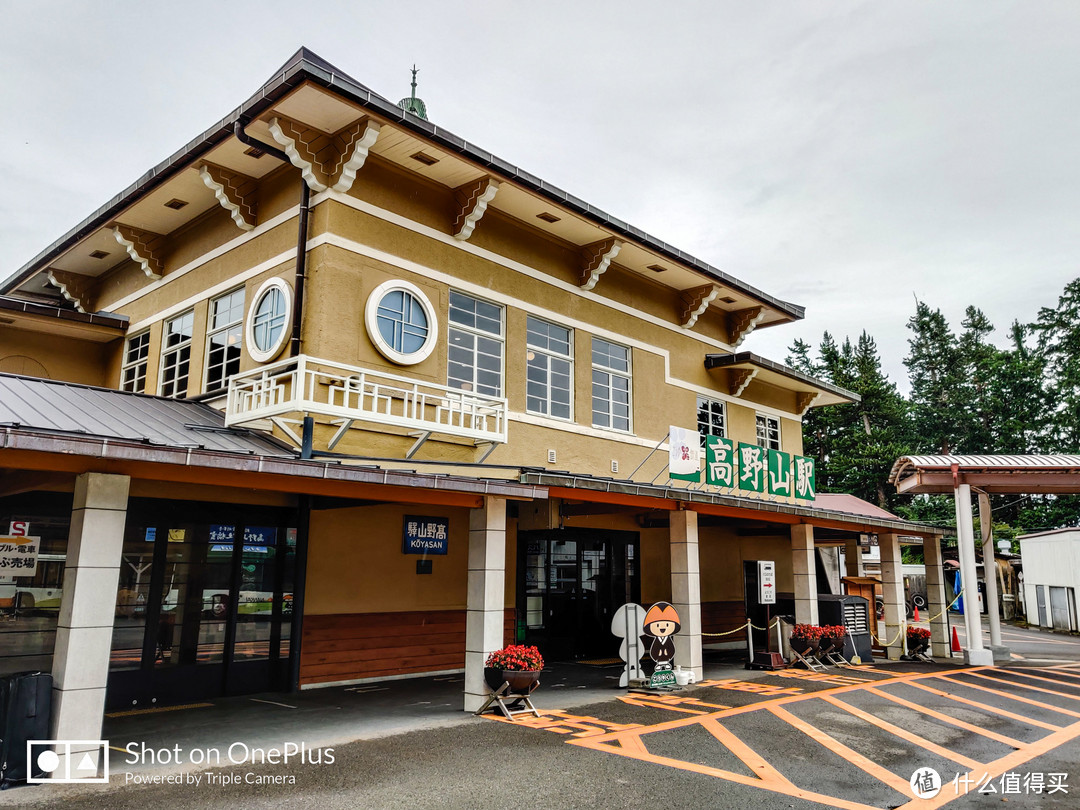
column 204, row 603
column 570, row 582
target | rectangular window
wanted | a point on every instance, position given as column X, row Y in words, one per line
column 550, row 367
column 224, row 339
column 711, row 418
column 768, row 432
column 176, row 355
column 610, row 385
column 133, row 373
column 475, row 361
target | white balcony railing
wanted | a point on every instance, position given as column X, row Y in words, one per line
column 347, row 394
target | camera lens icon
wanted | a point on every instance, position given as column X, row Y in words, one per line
column 48, row 761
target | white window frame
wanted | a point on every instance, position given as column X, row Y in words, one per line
column 476, row 333
column 168, row 351
column 611, row 374
column 568, row 358
column 265, row 355
column 139, row 386
column 711, row 404
column 758, row 417
column 212, row 330
column 371, row 320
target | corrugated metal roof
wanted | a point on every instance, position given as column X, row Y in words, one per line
column 843, row 502
column 61, row 407
column 997, row 463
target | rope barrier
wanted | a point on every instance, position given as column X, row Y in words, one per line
column 900, row 632
column 741, row 627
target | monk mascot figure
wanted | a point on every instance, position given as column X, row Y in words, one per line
column 660, row 625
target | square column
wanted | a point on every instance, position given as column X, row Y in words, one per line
column 485, row 608
column 87, row 608
column 940, row 643
column 853, row 558
column 892, row 591
column 686, row 589
column 804, row 565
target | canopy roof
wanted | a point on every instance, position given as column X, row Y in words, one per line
column 990, row 473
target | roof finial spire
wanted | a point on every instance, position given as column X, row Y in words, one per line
column 413, row 104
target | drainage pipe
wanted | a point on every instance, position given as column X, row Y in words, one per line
column 301, row 236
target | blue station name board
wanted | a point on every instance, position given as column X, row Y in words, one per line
column 425, row 535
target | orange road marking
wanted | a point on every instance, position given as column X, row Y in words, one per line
column 1011, row 696
column 1066, row 684
column 750, row 758
column 944, row 718
column 897, row 783
column 1004, row 682
column 1000, row 766
column 633, row 748
column 1056, row 671
column 904, row 734
column 987, row 707
column 674, row 703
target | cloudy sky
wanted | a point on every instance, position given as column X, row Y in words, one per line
column 846, row 156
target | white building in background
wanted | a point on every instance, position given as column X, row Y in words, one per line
column 1051, row 577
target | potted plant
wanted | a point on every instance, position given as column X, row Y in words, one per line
column 517, row 665
column 832, row 638
column 805, row 638
column 918, row 639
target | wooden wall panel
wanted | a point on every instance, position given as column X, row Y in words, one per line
column 348, row 646
column 719, row 617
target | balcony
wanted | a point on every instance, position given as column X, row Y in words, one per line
column 344, row 395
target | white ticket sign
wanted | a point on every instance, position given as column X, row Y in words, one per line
column 19, row 556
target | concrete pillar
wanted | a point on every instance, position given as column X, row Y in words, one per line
column 990, row 576
column 485, row 608
column 892, row 591
column 940, row 643
column 976, row 653
column 803, row 563
column 686, row 589
column 853, row 558
column 87, row 609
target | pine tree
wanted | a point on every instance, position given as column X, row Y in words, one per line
column 936, row 375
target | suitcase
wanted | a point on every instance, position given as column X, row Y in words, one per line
column 25, row 712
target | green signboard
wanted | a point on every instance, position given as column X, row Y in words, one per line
column 779, row 473
column 804, row 478
column 752, row 467
column 719, row 461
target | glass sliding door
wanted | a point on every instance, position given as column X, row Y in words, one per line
column 201, row 604
column 570, row 583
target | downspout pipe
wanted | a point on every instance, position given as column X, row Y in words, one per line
column 301, row 236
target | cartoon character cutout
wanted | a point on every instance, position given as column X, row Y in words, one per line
column 661, row 623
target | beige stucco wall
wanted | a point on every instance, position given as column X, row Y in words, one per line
column 39, row 354
column 668, row 370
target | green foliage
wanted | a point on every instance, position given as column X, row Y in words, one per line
column 967, row 396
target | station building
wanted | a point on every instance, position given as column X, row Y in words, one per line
column 332, row 394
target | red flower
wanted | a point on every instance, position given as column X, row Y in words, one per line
column 517, row 658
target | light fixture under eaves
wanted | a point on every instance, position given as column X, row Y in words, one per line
column 98, row 254
column 657, row 268
column 175, row 204
column 427, row 160
column 548, row 217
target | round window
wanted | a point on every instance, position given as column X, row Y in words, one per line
column 268, row 319
column 401, row 322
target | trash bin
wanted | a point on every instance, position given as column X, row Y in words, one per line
column 25, row 712
column 1008, row 606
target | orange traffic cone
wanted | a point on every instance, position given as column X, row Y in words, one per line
column 915, row 618
column 955, row 641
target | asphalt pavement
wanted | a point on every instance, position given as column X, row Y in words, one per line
column 850, row 738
